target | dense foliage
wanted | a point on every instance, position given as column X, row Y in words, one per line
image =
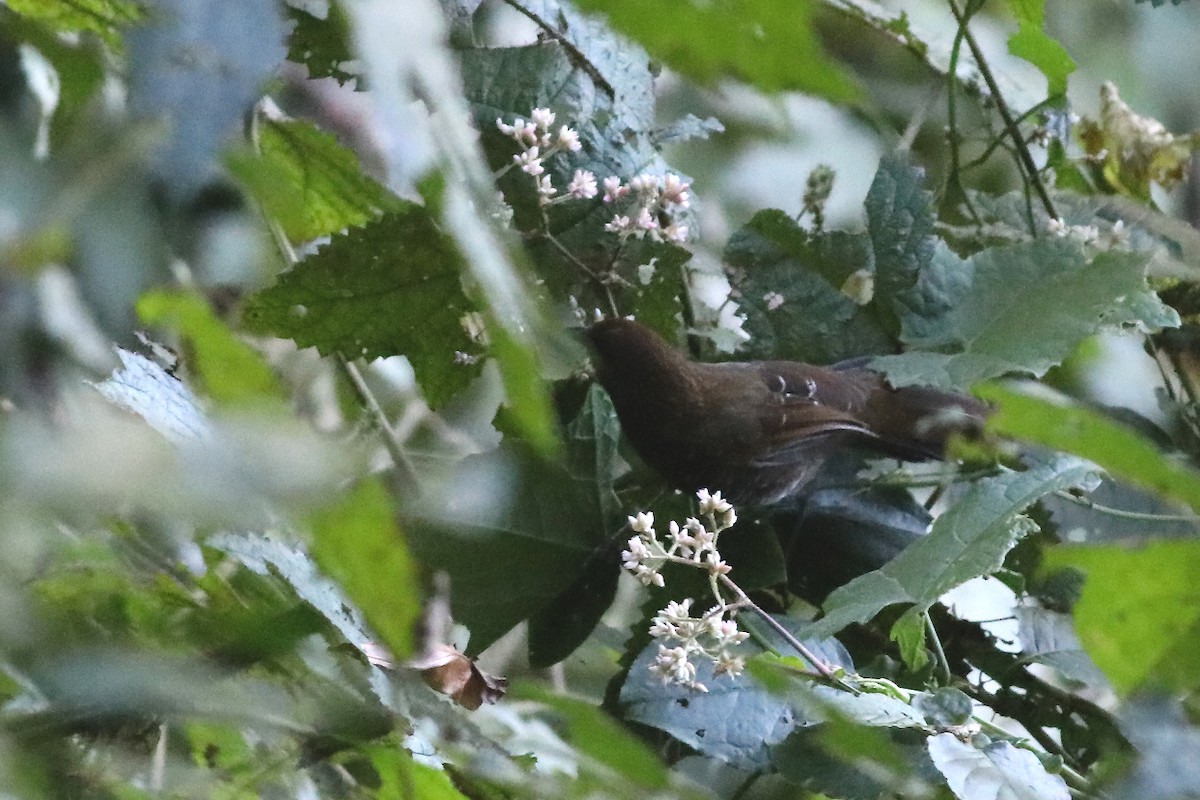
column 296, row 422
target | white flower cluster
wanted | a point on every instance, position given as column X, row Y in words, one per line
column 1116, row 236
column 539, row 141
column 709, row 636
column 656, row 200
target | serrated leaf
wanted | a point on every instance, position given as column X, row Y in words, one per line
column 356, row 541
column 1139, row 610
column 770, row 44
column 997, row 771
column 322, row 45
column 1019, row 308
column 967, row 541
column 1119, row 450
column 228, row 369
column 166, row 403
column 512, row 531
column 789, row 284
column 900, row 223
column 309, row 182
column 392, row 287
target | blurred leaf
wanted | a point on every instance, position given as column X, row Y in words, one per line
column 1020, row 308
column 597, row 735
column 392, row 287
column 767, row 43
column 996, row 771
column 401, row 777
column 321, row 44
column 526, row 395
column 230, row 371
column 688, row 128
column 1139, row 611
column 967, row 541
column 1167, row 765
column 198, row 64
column 512, row 531
column 357, row 542
column 900, row 221
column 849, row 761
column 1037, row 47
column 309, row 182
column 1117, row 449
column 789, row 282
column 165, row 402
column 104, row 17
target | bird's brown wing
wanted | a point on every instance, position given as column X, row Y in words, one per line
column 808, row 404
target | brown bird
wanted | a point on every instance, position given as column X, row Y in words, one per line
column 759, row 431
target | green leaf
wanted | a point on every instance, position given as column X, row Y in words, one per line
column 1046, row 53
column 392, row 287
column 1139, row 611
column 908, row 633
column 356, row 541
column 512, row 531
column 1020, row 308
column 322, row 45
column 103, row 17
column 900, row 223
column 1033, row 44
column 789, row 284
column 770, row 44
column 1119, row 450
column 996, row 771
column 967, row 541
column 309, row 182
column 230, row 371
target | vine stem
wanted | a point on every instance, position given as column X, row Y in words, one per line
column 1010, row 123
column 939, row 652
column 1123, row 514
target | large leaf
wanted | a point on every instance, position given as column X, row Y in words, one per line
column 768, row 43
column 1139, row 613
column 1167, row 765
column 995, row 771
column 789, row 284
column 512, row 531
column 967, row 541
column 392, row 287
column 1020, row 308
column 737, row 720
column 1048, row 637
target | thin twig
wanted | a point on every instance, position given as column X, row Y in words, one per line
column 1087, row 502
column 939, row 652
column 391, row 441
column 1014, row 132
column 577, row 55
column 818, row 664
column 573, row 259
